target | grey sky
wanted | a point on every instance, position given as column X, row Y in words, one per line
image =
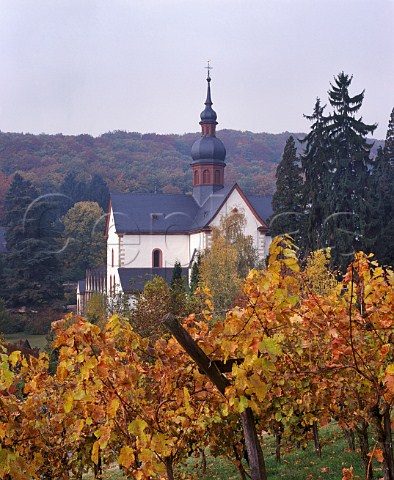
column 93, row 66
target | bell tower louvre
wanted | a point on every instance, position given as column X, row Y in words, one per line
column 208, row 153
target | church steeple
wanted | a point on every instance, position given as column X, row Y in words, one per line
column 208, row 115
column 208, row 153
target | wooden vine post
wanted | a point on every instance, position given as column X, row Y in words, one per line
column 253, row 447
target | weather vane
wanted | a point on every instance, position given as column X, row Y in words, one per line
column 208, row 67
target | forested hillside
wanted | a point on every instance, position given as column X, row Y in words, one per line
column 137, row 162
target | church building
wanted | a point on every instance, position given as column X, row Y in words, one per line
column 148, row 232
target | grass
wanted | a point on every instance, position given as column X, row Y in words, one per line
column 296, row 464
column 38, row 341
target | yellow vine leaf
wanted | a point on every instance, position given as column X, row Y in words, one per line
column 95, row 452
column 112, row 407
column 68, row 404
column 15, row 357
column 126, row 457
column 242, row 404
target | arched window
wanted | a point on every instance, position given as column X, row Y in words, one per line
column 110, row 284
column 205, row 177
column 217, row 177
column 113, row 257
column 196, row 177
column 157, row 258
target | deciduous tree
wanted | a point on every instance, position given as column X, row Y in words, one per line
column 83, row 241
column 228, row 260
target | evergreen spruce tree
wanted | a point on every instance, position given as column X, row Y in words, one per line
column 315, row 163
column 382, row 188
column 195, row 273
column 98, row 192
column 347, row 202
column 74, row 188
column 374, row 225
column 177, row 291
column 176, row 274
column 287, row 202
column 31, row 274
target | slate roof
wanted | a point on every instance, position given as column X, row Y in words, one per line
column 261, row 205
column 210, row 207
column 153, row 212
column 3, row 248
column 132, row 279
column 173, row 213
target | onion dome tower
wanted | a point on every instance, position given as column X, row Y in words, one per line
column 208, row 153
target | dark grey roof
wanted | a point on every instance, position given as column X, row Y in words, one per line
column 168, row 213
column 132, row 279
column 210, row 208
column 82, row 286
column 153, row 213
column 3, row 248
column 261, row 205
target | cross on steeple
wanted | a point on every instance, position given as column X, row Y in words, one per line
column 208, row 67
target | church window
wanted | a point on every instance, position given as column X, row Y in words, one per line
column 217, row 177
column 157, row 258
column 110, row 284
column 196, row 178
column 113, row 257
column 205, row 177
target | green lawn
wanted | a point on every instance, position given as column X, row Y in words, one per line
column 34, row 340
column 297, row 464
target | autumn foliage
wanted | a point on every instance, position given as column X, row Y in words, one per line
column 297, row 358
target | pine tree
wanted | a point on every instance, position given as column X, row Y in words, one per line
column 31, row 274
column 344, row 228
column 287, row 202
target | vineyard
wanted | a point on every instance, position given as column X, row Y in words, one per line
column 296, row 356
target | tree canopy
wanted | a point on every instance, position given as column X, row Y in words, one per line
column 83, row 241
column 343, row 195
column 228, row 260
column 31, row 272
column 287, row 202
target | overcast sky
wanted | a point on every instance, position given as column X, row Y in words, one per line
column 93, row 66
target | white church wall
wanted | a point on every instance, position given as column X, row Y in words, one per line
column 197, row 243
column 235, row 200
column 137, row 250
column 112, row 253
